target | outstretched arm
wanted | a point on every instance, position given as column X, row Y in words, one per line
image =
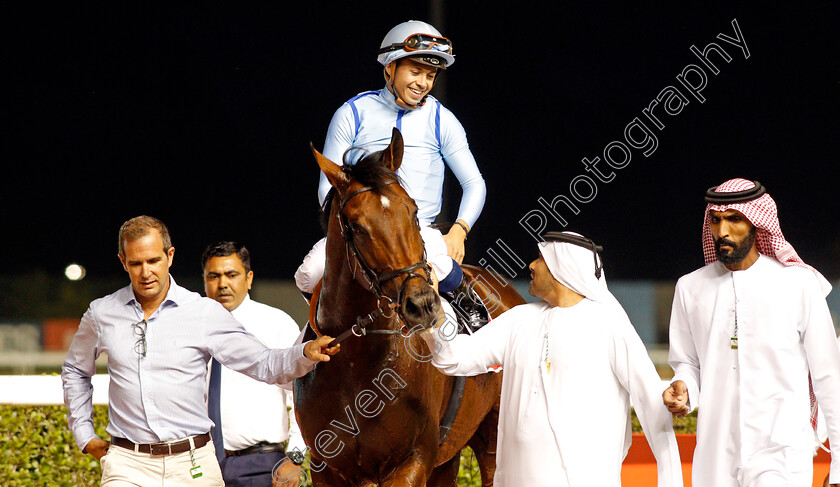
column 235, row 348
column 467, row 355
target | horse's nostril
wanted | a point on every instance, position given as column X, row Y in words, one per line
column 411, row 307
column 421, row 305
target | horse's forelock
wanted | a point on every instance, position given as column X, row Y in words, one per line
column 369, row 171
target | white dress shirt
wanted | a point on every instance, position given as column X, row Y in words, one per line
column 254, row 411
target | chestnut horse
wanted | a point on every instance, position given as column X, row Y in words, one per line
column 372, row 414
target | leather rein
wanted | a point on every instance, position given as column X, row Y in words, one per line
column 386, row 305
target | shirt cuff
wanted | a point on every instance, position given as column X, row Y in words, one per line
column 304, row 359
column 296, row 443
column 83, row 438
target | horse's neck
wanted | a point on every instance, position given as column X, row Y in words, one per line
column 342, row 298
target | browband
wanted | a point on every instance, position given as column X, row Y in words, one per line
column 716, row 198
column 584, row 242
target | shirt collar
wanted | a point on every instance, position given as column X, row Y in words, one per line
column 391, row 101
column 174, row 296
column 243, row 305
column 389, row 98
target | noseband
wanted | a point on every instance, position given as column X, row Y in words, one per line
column 387, row 305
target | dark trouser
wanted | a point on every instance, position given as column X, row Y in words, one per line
column 251, row 470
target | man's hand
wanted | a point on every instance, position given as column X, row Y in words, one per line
column 317, row 349
column 287, row 474
column 675, row 398
column 455, row 243
column 97, row 447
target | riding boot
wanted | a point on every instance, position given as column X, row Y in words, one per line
column 468, row 306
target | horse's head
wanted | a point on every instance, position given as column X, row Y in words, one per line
column 378, row 221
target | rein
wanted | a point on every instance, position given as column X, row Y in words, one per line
column 387, row 306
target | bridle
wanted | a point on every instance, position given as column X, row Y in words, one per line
column 387, row 306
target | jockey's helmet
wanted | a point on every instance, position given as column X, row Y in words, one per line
column 418, row 40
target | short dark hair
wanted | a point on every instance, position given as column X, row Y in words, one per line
column 224, row 249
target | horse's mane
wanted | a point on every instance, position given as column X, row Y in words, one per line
column 369, row 170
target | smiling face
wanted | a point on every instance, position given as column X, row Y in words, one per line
column 147, row 264
column 411, row 80
column 227, row 281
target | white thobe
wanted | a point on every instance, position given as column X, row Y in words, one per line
column 567, row 424
column 253, row 411
column 753, row 426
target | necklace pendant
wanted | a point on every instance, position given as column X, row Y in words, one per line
column 733, row 343
column 548, row 366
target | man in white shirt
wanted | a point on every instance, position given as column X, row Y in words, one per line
column 750, row 332
column 253, row 415
column 572, row 363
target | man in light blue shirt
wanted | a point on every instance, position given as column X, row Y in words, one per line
column 159, row 338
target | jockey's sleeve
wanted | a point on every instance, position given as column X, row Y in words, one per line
column 340, row 137
column 474, row 191
column 456, row 153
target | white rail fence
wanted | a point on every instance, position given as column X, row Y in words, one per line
column 44, row 389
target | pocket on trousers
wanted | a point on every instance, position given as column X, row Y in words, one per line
column 104, row 463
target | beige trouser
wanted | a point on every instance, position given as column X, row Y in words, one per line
column 123, row 467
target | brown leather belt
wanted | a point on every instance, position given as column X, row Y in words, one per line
column 258, row 448
column 165, row 448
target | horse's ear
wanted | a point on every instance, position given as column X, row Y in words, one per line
column 337, row 178
column 393, row 154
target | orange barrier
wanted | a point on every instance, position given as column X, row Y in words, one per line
column 639, row 468
column 58, row 333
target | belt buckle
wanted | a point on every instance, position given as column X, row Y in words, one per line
column 166, row 448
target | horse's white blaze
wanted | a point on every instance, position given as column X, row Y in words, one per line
column 385, row 201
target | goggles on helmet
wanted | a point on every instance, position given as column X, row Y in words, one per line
column 421, row 42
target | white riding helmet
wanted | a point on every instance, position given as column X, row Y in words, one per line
column 418, row 40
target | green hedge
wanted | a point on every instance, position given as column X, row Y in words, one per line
column 38, row 448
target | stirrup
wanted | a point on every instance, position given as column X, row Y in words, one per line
column 468, row 307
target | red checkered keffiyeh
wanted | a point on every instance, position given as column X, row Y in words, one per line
column 769, row 239
column 762, row 213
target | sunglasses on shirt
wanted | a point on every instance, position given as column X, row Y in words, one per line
column 140, row 331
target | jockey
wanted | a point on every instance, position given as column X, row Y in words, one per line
column 413, row 54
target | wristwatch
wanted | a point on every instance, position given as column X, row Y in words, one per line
column 296, row 456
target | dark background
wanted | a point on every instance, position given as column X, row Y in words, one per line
column 202, row 117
